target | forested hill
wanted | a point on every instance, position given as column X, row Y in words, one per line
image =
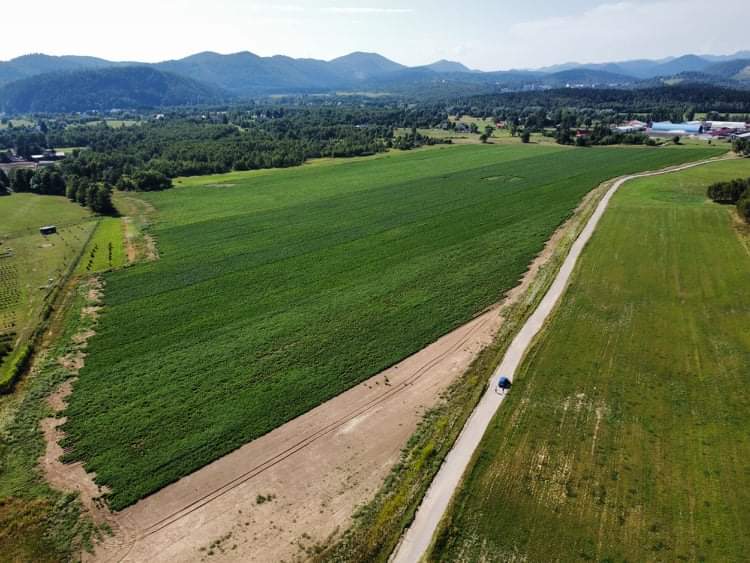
column 699, row 97
column 129, row 87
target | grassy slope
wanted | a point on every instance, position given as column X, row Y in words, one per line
column 277, row 290
column 626, row 436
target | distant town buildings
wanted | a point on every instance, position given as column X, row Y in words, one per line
column 11, row 161
column 706, row 130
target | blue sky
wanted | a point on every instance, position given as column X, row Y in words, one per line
column 483, row 34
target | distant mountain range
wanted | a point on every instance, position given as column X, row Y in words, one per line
column 104, row 89
column 646, row 69
column 72, row 83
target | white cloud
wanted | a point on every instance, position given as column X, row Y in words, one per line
column 485, row 34
column 350, row 10
column 625, row 30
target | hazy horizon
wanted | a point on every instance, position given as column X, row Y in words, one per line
column 484, row 35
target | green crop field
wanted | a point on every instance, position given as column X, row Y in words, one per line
column 277, row 290
column 106, row 249
column 32, row 265
column 626, row 435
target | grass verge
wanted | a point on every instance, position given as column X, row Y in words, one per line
column 38, row 523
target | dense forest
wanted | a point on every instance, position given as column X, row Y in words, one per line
column 119, row 87
column 145, row 156
column 658, row 104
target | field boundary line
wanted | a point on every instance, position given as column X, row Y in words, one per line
column 417, row 539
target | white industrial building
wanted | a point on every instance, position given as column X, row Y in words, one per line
column 737, row 125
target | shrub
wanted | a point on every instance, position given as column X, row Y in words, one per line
column 742, row 147
column 728, row 192
column 15, row 370
column 151, row 181
column 743, row 207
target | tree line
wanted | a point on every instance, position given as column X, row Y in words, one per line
column 147, row 155
column 673, row 103
column 741, row 147
column 49, row 180
column 734, row 192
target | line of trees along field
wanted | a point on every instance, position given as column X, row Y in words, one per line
column 735, row 192
column 50, row 181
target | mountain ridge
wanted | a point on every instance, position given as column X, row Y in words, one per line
column 214, row 76
column 124, row 87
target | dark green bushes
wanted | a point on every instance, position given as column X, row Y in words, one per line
column 44, row 181
column 15, row 370
column 742, row 147
column 734, row 192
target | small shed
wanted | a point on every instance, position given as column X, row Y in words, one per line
column 48, row 230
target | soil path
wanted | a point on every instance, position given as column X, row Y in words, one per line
column 419, row 535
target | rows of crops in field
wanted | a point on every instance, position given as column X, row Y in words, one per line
column 626, row 437
column 278, row 290
column 10, row 293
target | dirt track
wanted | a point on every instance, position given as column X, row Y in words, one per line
column 418, row 537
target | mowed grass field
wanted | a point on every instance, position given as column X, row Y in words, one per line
column 277, row 290
column 28, row 260
column 626, row 435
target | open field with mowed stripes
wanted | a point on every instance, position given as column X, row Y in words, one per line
column 626, row 436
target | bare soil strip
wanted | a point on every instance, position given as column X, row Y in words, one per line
column 62, row 476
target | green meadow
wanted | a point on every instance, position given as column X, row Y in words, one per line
column 626, row 434
column 277, row 290
column 32, row 265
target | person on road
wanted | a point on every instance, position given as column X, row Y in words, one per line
column 503, row 384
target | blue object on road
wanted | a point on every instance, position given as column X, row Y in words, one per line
column 504, row 383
